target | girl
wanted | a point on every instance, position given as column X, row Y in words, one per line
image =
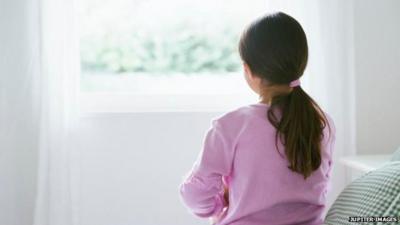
column 267, row 163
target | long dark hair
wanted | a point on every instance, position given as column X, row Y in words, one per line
column 275, row 49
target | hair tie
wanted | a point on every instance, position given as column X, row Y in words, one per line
column 294, row 83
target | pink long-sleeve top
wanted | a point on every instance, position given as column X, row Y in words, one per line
column 239, row 152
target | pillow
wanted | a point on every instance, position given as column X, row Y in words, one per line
column 375, row 194
column 396, row 155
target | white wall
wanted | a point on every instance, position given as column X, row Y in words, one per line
column 133, row 163
column 377, row 69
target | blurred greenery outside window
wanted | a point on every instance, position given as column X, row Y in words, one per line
column 154, row 38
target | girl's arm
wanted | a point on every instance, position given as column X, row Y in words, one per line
column 203, row 190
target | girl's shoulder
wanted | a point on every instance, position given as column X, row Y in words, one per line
column 239, row 116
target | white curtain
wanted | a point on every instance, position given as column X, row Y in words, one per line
column 57, row 187
column 329, row 77
column 39, row 67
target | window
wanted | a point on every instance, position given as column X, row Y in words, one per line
column 152, row 55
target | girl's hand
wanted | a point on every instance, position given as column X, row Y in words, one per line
column 217, row 218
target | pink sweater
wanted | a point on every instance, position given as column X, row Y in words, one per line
column 239, row 152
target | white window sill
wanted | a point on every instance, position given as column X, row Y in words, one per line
column 109, row 102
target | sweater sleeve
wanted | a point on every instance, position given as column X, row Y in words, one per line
column 202, row 190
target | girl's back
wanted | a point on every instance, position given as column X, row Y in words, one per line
column 262, row 189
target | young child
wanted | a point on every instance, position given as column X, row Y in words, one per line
column 267, row 163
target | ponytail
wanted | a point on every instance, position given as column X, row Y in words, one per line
column 275, row 49
column 299, row 123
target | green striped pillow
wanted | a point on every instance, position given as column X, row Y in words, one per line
column 375, row 194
